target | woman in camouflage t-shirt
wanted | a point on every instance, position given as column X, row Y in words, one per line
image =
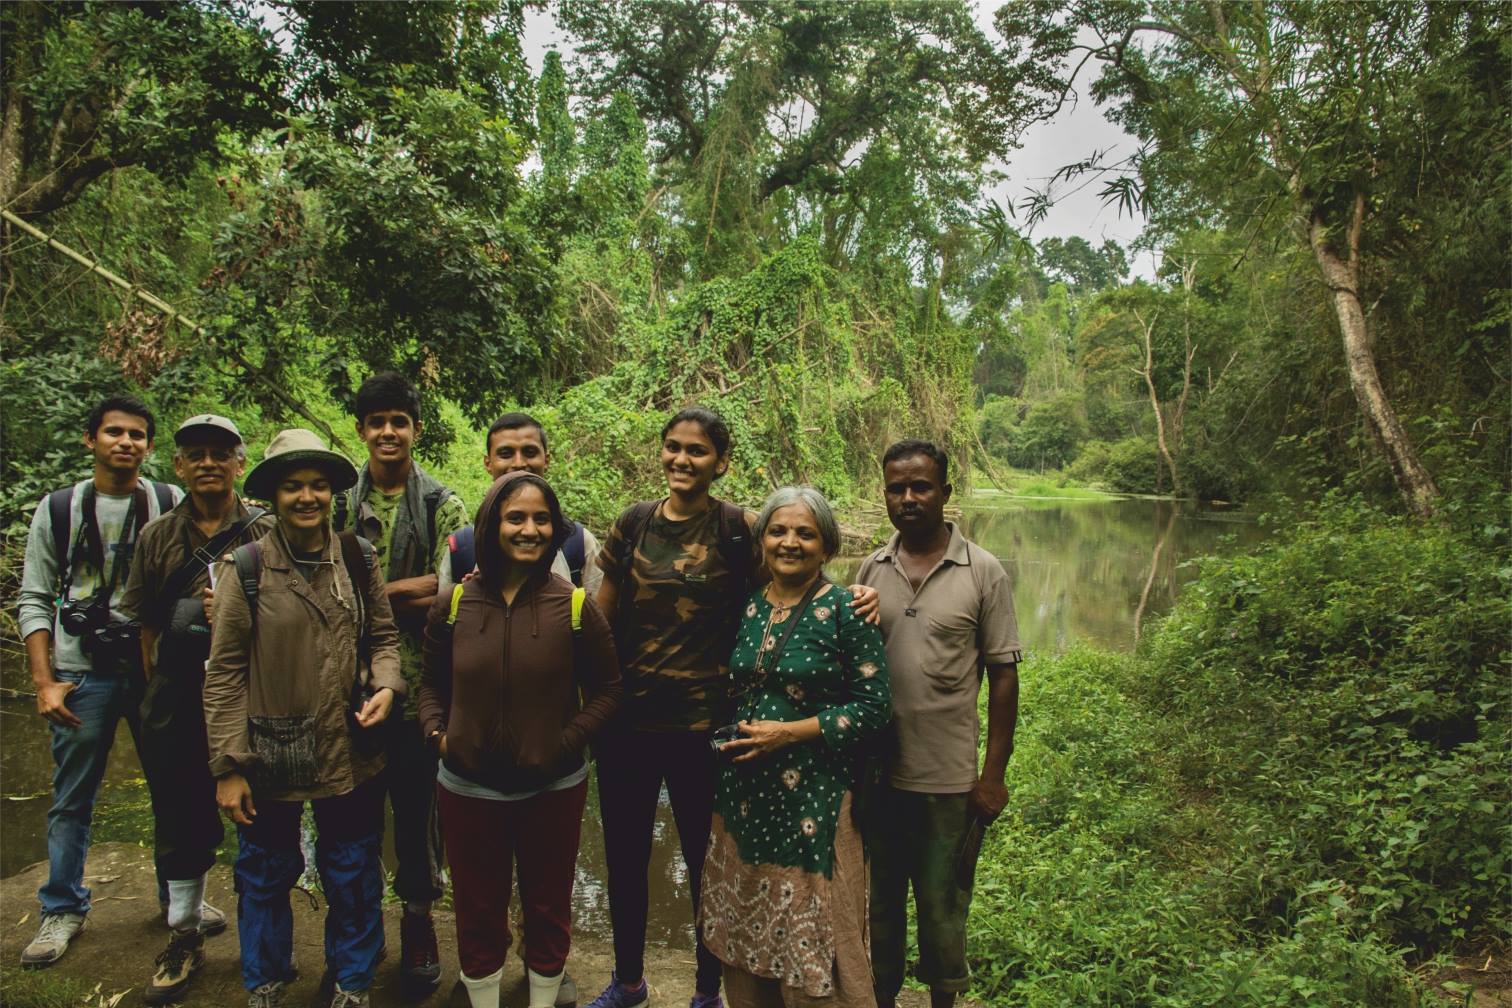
column 676, row 574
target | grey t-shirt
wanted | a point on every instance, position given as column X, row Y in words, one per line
column 938, row 641
column 36, row 609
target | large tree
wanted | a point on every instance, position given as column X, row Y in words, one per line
column 94, row 87
column 1314, row 119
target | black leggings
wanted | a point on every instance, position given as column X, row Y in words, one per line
column 631, row 768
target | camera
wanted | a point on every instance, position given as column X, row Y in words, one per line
column 79, row 616
column 727, row 733
column 106, row 640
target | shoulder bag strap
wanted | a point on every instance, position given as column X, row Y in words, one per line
column 792, row 623
column 203, row 557
column 248, row 561
column 357, row 561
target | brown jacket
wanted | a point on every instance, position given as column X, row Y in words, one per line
column 302, row 663
column 162, row 547
column 504, row 681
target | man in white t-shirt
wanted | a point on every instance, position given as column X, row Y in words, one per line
column 83, row 654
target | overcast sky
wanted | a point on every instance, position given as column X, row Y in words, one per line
column 1071, row 136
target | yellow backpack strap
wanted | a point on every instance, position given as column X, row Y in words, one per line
column 578, row 594
column 451, row 617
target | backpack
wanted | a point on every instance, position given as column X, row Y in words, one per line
column 60, row 511
column 578, row 595
column 734, row 540
column 464, row 553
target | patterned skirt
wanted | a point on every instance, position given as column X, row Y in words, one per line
column 799, row 928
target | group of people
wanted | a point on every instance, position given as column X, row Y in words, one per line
column 362, row 644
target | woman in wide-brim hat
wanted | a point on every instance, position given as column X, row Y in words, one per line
column 280, row 685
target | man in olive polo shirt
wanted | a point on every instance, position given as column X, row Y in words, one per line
column 168, row 592
column 947, row 613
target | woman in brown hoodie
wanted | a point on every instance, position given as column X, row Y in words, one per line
column 505, row 658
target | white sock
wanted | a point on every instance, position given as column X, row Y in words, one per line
column 423, row 909
column 484, row 991
column 186, row 897
column 543, row 989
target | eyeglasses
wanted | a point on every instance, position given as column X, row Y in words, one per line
column 200, row 454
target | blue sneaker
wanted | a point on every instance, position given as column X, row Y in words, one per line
column 705, row 1001
column 616, row 996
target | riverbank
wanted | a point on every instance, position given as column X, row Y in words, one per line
column 111, row 960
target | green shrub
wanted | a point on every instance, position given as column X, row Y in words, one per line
column 1112, row 879
column 1352, row 677
column 1090, row 462
column 1299, row 780
column 1132, row 466
column 997, row 425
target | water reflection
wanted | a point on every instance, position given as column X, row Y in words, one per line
column 1081, row 570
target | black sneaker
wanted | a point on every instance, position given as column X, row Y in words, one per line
column 419, row 956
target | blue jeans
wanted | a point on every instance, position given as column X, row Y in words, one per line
column 80, row 755
column 348, row 856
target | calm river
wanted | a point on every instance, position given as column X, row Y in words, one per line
column 1080, row 570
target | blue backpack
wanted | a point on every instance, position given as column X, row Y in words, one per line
column 464, row 554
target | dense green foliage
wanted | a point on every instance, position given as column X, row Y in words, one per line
column 1298, row 775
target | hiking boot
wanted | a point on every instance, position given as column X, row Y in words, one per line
column 419, row 958
column 616, row 996
column 57, row 930
column 705, row 1001
column 567, row 994
column 212, row 921
column 349, row 999
column 269, row 995
column 176, row 966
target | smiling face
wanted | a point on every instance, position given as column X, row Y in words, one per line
column 302, row 499
column 513, row 449
column 915, row 496
column 208, row 468
column 120, row 443
column 690, row 460
column 389, row 435
column 793, row 545
column 525, row 526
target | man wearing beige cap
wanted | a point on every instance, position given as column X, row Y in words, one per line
column 167, row 593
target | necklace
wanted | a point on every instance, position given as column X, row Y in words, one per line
column 780, row 610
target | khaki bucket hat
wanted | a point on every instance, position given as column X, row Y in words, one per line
column 291, row 449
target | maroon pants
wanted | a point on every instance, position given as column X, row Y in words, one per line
column 485, row 840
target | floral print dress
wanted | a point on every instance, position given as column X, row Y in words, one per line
column 766, row 904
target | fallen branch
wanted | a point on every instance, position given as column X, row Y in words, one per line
column 174, row 315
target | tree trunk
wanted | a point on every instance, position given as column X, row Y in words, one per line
column 1342, row 277
column 1147, row 372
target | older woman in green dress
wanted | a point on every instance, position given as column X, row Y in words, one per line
column 784, row 889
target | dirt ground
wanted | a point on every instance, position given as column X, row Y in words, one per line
column 125, row 932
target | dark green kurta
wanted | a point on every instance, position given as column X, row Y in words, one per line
column 765, row 894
